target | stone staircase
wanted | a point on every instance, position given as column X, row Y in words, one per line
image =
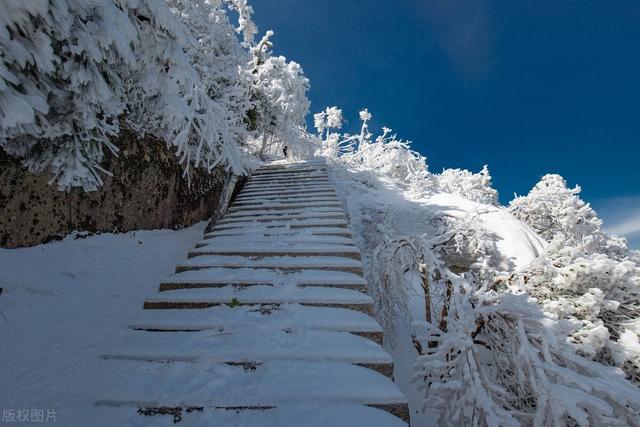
column 266, row 323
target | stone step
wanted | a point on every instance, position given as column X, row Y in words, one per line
column 289, row 177
column 267, row 172
column 285, row 201
column 284, row 231
column 306, row 168
column 214, row 277
column 284, row 181
column 305, row 195
column 260, row 295
column 284, row 206
column 275, row 248
column 283, row 317
column 307, row 414
column 293, row 211
column 287, row 191
column 273, row 383
column 300, row 178
column 292, row 192
column 294, row 238
column 282, row 217
column 264, row 189
column 273, row 262
column 248, row 227
column 146, row 341
column 284, row 186
column 320, row 162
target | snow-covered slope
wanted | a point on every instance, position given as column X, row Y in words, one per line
column 64, row 303
column 380, row 208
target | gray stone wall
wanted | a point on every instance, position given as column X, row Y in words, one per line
column 147, row 191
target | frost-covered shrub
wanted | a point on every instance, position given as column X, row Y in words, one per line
column 490, row 356
column 394, row 158
column 388, row 155
column 552, row 208
column 599, row 295
column 472, row 186
column 500, row 361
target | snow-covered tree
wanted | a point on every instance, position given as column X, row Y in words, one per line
column 73, row 72
column 61, row 83
column 585, row 276
column 246, row 26
column 280, row 97
column 330, row 118
column 365, row 135
column 320, row 122
column 552, row 208
column 198, row 100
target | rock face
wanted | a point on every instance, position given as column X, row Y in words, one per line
column 147, row 191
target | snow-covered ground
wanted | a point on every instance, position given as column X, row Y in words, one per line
column 62, row 304
column 380, row 209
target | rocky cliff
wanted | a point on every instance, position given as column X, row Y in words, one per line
column 147, row 191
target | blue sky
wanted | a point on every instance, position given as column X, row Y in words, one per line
column 528, row 87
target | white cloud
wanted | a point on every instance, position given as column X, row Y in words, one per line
column 625, row 228
column 621, row 217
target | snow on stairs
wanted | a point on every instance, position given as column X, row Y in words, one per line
column 267, row 319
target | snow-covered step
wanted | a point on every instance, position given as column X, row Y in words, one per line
column 275, row 248
column 284, row 206
column 287, row 184
column 285, row 181
column 273, row 383
column 274, row 166
column 302, row 223
column 288, row 177
column 293, row 238
column 290, row 171
column 286, row 200
column 293, row 170
column 293, row 211
column 286, row 318
column 288, row 192
column 251, row 343
column 284, row 231
column 298, row 196
column 215, row 277
column 270, row 189
column 283, row 216
column 274, row 262
column 307, row 185
column 287, row 189
column 308, row 414
column 280, row 195
column 261, row 295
